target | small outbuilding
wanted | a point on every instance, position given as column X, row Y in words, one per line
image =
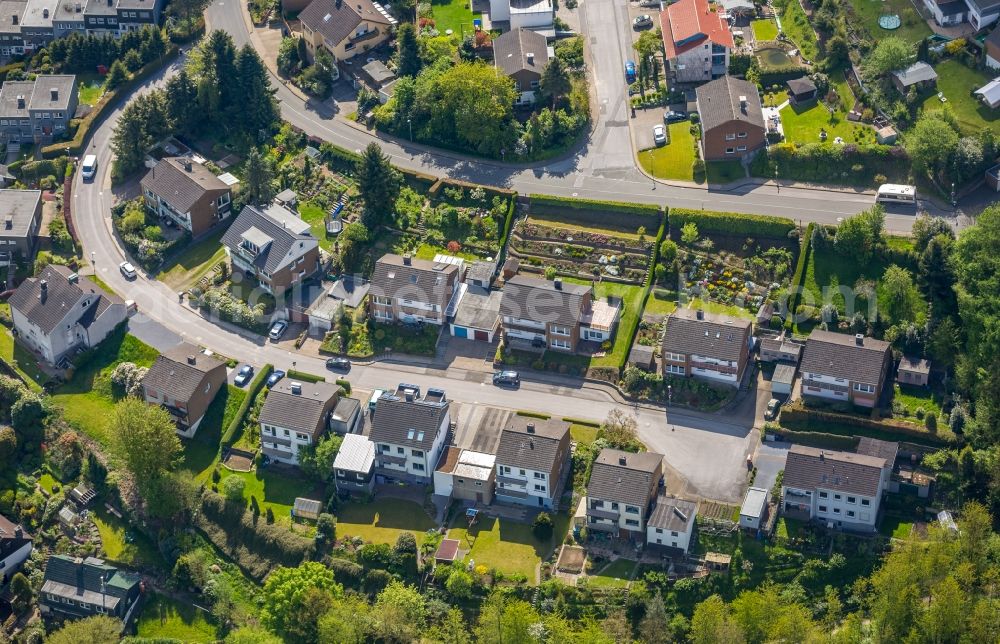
column 919, row 75
column 287, row 198
column 754, row 508
column 801, row 90
column 466, row 475
column 347, row 417
column 989, row 94
column 447, row 551
column 886, row 135
column 913, row 371
column 306, row 508
column 643, row 357
column 783, row 379
column 354, row 465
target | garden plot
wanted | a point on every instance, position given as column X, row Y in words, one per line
column 743, row 283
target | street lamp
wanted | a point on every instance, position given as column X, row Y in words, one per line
column 409, row 122
column 777, row 186
column 93, row 261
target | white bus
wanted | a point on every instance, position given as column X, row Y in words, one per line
column 896, row 193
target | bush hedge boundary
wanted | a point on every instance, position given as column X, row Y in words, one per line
column 304, row 377
column 732, row 223
column 804, row 417
column 648, row 210
column 255, row 386
column 799, row 278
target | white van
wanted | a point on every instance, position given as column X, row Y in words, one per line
column 89, row 167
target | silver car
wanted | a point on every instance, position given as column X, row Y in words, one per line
column 643, row 21
column 659, row 135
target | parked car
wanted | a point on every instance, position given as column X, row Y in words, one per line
column 131, row 308
column 508, row 378
column 659, row 135
column 338, row 364
column 671, row 116
column 643, row 21
column 629, row 72
column 649, row 3
column 277, row 330
column 127, row 270
column 273, row 379
column 244, row 375
column 773, row 406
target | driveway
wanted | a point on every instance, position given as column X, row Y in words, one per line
column 770, row 460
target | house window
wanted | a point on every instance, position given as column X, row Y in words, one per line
column 863, row 388
column 673, row 534
column 850, row 513
column 534, row 84
column 631, row 509
column 614, row 506
column 730, row 151
column 418, row 467
column 836, row 496
column 836, row 510
column 560, row 344
column 741, row 148
column 742, row 135
column 302, row 437
column 631, row 522
column 539, row 488
column 676, row 357
column 852, row 500
column 730, row 137
column 822, row 508
column 418, row 453
column 287, row 433
column 560, row 330
column 400, row 450
column 675, row 368
column 865, row 502
column 540, row 476
column 822, row 495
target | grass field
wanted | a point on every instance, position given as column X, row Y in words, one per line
column 583, row 433
column 509, row 546
column 914, row 398
column 913, row 30
column 90, row 88
column 384, row 521
column 631, row 297
column 614, row 575
column 201, row 451
column 661, row 302
column 273, row 489
column 47, row 482
column 803, row 125
column 896, row 527
column 316, row 218
column 18, row 357
column 956, row 80
column 826, row 269
column 764, row 30
column 194, row 262
column 124, row 546
column 724, row 171
column 719, row 308
column 796, row 26
column 452, row 14
column 165, row 619
column 674, row 160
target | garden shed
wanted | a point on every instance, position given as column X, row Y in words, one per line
column 754, row 508
column 913, row 371
column 447, row 552
column 801, row 90
column 642, row 356
column 783, row 379
column 306, row 508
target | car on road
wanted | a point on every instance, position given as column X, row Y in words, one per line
column 773, row 406
column 277, row 330
column 127, row 270
column 671, row 116
column 338, row 364
column 273, row 379
column 643, row 21
column 89, row 167
column 508, row 378
column 243, row 376
column 659, row 135
column 629, row 71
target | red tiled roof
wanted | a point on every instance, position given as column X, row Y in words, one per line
column 687, row 23
column 448, row 550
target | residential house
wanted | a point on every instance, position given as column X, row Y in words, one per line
column 60, row 311
column 11, row 40
column 845, row 368
column 345, row 28
column 753, row 512
column 37, row 111
column 886, row 450
column 477, row 316
column 913, row 371
column 991, row 45
column 184, row 381
column 187, row 193
column 465, row 475
column 408, row 289
column 68, row 19
column 135, row 14
column 75, row 588
column 15, row 548
column 37, row 29
column 273, row 246
column 522, row 54
column 556, row 314
column 801, row 91
column 347, row 417
column 696, row 41
column 732, row 119
column 20, row 219
column 101, row 18
column 947, row 12
column 533, row 459
column 621, row 492
column 672, row 523
column 841, row 489
column 409, row 432
column 919, row 75
column 294, row 415
column 705, row 345
column 780, row 349
column 982, row 13
column 524, row 14
column 354, row 465
column 989, row 94
column 783, row 379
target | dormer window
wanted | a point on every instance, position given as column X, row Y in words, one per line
column 250, row 246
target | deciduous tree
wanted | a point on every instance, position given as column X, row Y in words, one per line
column 99, row 629
column 293, row 597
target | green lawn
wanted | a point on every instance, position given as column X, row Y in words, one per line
column 615, row 575
column 122, row 544
column 19, row 358
column 383, row 521
column 661, row 302
column 102, row 284
column 91, row 87
column 196, row 261
column 764, row 29
column 720, row 308
column 724, row 171
column 428, row 251
column 803, row 124
column 896, row 527
column 796, row 26
column 507, row 545
column 914, row 398
column 787, row 528
column 956, row 80
column 273, row 489
column 913, row 29
column 316, row 218
column 47, row 482
column 165, row 619
column 583, row 433
column 675, row 160
column 201, row 451
column 827, row 269
column 631, row 297
column 452, row 14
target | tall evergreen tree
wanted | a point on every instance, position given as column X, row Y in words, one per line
column 303, row 51
column 258, row 111
column 182, row 102
column 260, row 178
column 555, row 81
column 219, row 56
column 379, row 184
column 408, row 52
column 143, row 122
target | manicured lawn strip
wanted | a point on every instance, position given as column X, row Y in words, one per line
column 47, row 482
column 674, row 160
column 428, row 251
column 914, row 398
column 507, row 545
column 316, row 218
column 582, row 433
column 614, row 575
column 273, row 489
column 194, row 262
column 17, row 357
column 102, row 284
column 802, row 125
column 826, row 268
column 165, row 619
column 452, row 14
column 631, row 297
column 135, row 551
column 796, row 26
column 764, row 29
column 724, row 171
column 787, row 528
column 956, row 80
column 896, row 527
column 383, row 521
column 200, row 452
column 90, row 88
column 661, row 302
column 720, row 308
column 913, row 29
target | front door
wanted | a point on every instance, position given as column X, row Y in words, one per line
column 479, row 497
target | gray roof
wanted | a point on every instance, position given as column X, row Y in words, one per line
column 510, row 51
column 719, row 102
column 479, row 309
column 345, row 409
column 18, row 207
column 878, row 448
column 985, row 6
column 632, row 483
column 135, row 4
column 99, row 8
column 808, row 468
column 951, row 7
column 781, row 345
column 672, row 514
column 480, row 272
column 356, row 454
column 34, row 13
column 8, row 98
column 917, row 365
column 537, row 451
column 714, row 336
column 181, row 371
column 534, row 298
column 37, row 94
column 285, row 245
column 61, row 296
column 413, row 423
column 784, row 373
column 754, row 503
column 802, row 85
column 301, row 412
column 421, row 280
column 378, row 72
column 915, row 73
column 641, row 354
column 336, row 20
column 68, row 577
column 181, row 182
column 838, row 355
column 9, row 9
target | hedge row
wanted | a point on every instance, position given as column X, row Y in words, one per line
column 255, row 386
column 533, row 414
column 649, row 210
column 304, row 377
column 342, row 160
column 345, row 385
column 803, row 419
column 798, row 280
column 824, row 163
column 732, row 223
column 581, row 421
column 815, row 439
column 443, row 183
column 76, row 145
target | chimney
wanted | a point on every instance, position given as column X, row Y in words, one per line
column 8, row 222
column 74, row 278
column 44, row 290
column 55, row 94
column 14, row 18
column 531, row 58
column 20, row 101
column 558, row 283
column 45, row 13
column 191, row 360
column 700, row 314
column 621, row 460
column 821, row 456
column 296, row 388
column 18, row 531
column 859, row 339
column 743, row 102
column 187, row 164
column 407, row 259
column 531, row 428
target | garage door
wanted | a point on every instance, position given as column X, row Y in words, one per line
column 460, row 332
column 482, row 336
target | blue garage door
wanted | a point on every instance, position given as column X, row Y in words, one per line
column 461, row 332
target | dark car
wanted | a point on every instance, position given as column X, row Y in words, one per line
column 339, row 364
column 244, row 375
column 275, row 376
column 509, row 378
column 672, row 116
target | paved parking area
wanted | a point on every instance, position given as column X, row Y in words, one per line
column 642, row 126
column 770, row 460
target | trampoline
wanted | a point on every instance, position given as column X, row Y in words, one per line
column 890, row 22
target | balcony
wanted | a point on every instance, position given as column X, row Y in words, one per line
column 603, row 514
